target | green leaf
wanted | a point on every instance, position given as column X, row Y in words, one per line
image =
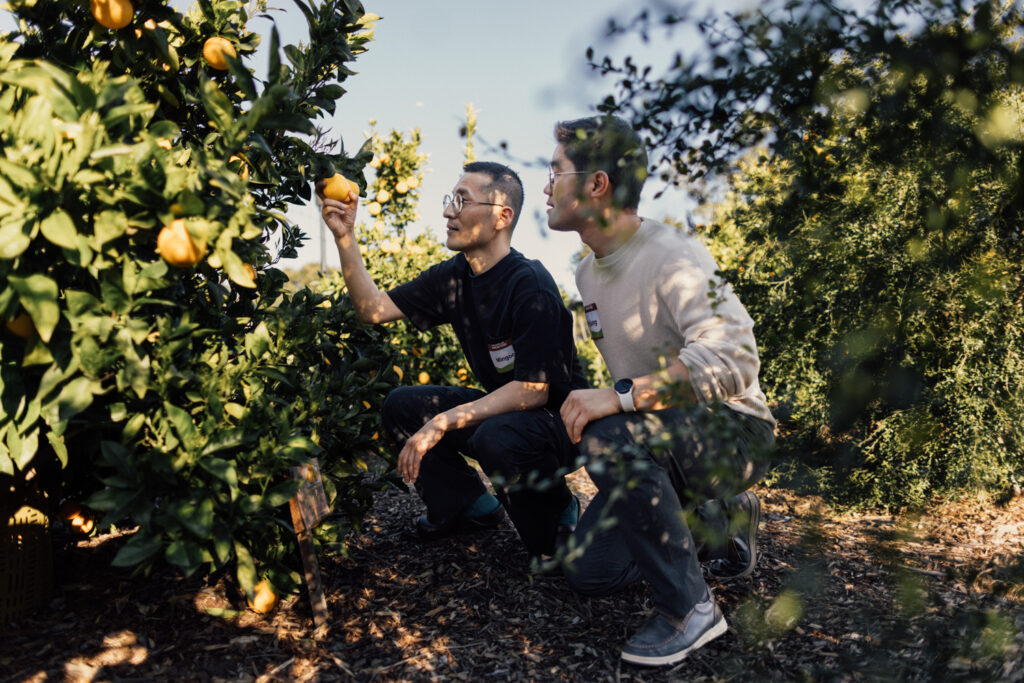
column 198, row 519
column 281, row 494
column 183, row 424
column 184, row 553
column 218, row 106
column 288, row 121
column 38, row 294
column 60, row 229
column 14, row 240
column 109, row 225
column 59, row 447
column 139, row 549
column 258, row 341
column 246, row 570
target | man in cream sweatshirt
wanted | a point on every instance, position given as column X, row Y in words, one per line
column 686, row 420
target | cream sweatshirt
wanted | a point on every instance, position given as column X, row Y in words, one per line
column 657, row 298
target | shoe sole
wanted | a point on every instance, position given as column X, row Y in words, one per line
column 717, row 630
column 753, row 524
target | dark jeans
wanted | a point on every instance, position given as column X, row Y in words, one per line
column 524, row 453
column 650, row 468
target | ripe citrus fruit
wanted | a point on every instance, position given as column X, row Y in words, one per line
column 413, row 182
column 424, row 378
column 112, row 13
column 214, row 51
column 402, row 187
column 398, row 371
column 21, row 325
column 383, row 196
column 177, row 247
column 339, row 188
column 462, row 374
column 373, row 208
column 264, row 598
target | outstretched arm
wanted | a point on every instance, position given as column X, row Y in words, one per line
column 513, row 396
column 371, row 305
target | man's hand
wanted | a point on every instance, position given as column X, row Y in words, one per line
column 340, row 217
column 583, row 406
column 416, row 447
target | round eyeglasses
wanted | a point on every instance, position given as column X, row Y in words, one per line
column 552, row 173
column 458, row 202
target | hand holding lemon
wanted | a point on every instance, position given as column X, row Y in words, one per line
column 341, row 197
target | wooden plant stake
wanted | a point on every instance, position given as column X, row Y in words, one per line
column 308, row 506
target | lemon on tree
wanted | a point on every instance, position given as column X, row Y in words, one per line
column 112, row 13
column 21, row 325
column 373, row 208
column 176, row 246
column 402, row 187
column 341, row 189
column 412, row 182
column 383, row 196
column 216, row 51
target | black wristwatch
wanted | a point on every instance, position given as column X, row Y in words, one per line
column 624, row 388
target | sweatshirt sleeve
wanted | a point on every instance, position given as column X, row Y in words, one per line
column 718, row 349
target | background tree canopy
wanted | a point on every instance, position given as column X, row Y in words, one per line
column 865, row 172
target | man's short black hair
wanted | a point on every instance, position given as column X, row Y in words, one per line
column 609, row 144
column 504, row 180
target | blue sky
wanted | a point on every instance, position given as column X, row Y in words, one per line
column 522, row 66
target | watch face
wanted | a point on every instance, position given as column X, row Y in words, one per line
column 623, row 386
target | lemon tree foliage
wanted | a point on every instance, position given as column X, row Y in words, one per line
column 875, row 235
column 176, row 396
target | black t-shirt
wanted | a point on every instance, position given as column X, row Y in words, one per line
column 510, row 321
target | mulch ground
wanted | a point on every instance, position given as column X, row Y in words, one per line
column 835, row 597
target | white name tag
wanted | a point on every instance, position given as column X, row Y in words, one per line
column 593, row 321
column 503, row 355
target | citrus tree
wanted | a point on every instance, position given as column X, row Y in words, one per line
column 875, row 236
column 151, row 363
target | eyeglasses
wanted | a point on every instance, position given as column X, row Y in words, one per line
column 552, row 173
column 458, row 201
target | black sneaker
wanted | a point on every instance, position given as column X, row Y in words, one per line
column 667, row 640
column 460, row 524
column 742, row 551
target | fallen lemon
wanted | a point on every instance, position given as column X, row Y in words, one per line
column 264, row 598
column 215, row 51
column 21, row 326
column 176, row 245
column 112, row 13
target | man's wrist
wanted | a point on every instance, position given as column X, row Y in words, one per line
column 624, row 390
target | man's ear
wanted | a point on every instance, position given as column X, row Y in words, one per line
column 506, row 216
column 602, row 184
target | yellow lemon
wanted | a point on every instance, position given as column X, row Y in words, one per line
column 264, row 598
column 398, row 371
column 373, row 208
column 21, row 325
column 413, row 182
column 383, row 196
column 462, row 374
column 424, row 378
column 338, row 188
column 215, row 50
column 177, row 247
column 112, row 13
column 402, row 187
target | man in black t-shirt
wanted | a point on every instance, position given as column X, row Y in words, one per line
column 517, row 337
